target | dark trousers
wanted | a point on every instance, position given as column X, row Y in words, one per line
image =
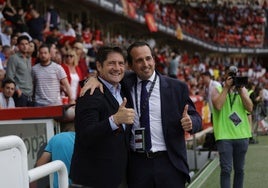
column 232, row 155
column 157, row 172
column 23, row 100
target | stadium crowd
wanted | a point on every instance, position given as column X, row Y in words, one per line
column 80, row 41
column 230, row 23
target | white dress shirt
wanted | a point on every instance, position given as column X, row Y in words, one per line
column 157, row 137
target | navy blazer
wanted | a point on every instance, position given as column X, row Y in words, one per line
column 174, row 95
column 100, row 154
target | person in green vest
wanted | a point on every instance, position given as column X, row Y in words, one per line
column 231, row 105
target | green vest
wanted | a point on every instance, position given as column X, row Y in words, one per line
column 224, row 127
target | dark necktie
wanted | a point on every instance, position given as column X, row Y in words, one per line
column 145, row 118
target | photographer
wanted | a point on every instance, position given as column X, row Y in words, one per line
column 231, row 105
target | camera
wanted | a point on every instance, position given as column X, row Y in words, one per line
column 239, row 81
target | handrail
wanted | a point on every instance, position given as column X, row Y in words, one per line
column 49, row 168
column 14, row 142
column 9, row 142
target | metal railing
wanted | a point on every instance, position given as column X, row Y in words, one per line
column 14, row 165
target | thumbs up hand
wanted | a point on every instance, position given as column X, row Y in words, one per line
column 124, row 115
column 186, row 121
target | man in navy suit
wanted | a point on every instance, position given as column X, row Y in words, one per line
column 171, row 113
column 102, row 129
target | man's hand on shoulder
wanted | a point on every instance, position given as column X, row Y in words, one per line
column 91, row 83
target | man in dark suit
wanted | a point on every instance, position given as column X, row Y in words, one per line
column 102, row 123
column 171, row 113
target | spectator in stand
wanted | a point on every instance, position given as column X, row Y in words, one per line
column 32, row 52
column 69, row 31
column 9, row 12
column 19, row 70
column 6, row 96
column 20, row 25
column 74, row 74
column 161, row 64
column 53, row 37
column 4, row 55
column 87, row 36
column 59, row 147
column 78, row 26
column 58, row 57
column 48, row 76
column 5, row 36
column 231, row 105
column 210, row 85
column 53, row 50
column 173, row 65
column 2, row 19
column 29, row 7
column 13, row 43
column 52, row 18
column 79, row 49
column 91, row 53
column 36, row 25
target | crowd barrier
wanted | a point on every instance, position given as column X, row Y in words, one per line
column 14, row 165
column 34, row 125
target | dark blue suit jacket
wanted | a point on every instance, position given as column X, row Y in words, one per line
column 100, row 154
column 174, row 96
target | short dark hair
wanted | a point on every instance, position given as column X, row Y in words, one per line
column 134, row 45
column 104, row 51
column 5, row 47
column 7, row 81
column 48, row 46
column 22, row 37
column 206, row 73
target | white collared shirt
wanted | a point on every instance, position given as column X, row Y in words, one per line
column 4, row 103
column 157, row 137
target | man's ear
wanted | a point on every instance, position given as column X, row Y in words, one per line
column 98, row 66
column 128, row 65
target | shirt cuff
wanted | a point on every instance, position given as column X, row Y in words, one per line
column 112, row 124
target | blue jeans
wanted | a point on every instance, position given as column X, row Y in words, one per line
column 232, row 153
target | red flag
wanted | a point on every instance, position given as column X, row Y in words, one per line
column 149, row 18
